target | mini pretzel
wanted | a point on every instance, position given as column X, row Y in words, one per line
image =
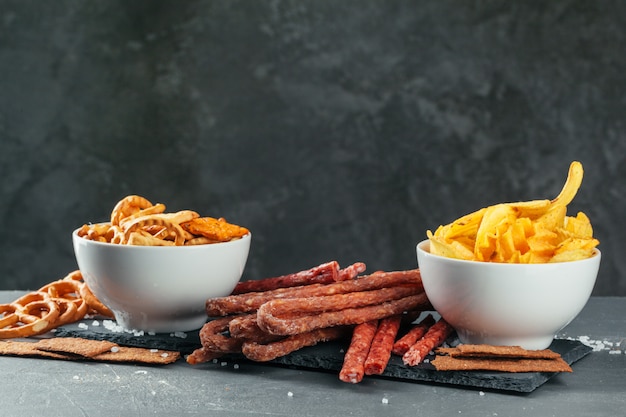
column 93, row 303
column 8, row 315
column 60, row 302
column 33, row 319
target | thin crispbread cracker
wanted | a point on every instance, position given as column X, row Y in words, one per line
column 69, row 348
column 139, row 355
column 75, row 346
column 449, row 363
column 488, row 351
column 29, row 349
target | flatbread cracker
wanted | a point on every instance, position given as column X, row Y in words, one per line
column 28, row 349
column 71, row 348
column 482, row 351
column 449, row 363
column 139, row 355
column 75, row 346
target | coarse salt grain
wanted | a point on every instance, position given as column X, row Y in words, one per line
column 481, row 393
column 165, row 355
column 115, row 349
column 290, row 394
column 95, row 323
column 385, row 400
column 154, row 350
column 236, row 366
column 83, row 326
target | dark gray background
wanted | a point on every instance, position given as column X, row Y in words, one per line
column 332, row 129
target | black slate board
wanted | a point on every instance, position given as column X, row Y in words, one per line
column 329, row 357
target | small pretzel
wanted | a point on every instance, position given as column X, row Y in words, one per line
column 33, row 319
column 8, row 315
column 93, row 303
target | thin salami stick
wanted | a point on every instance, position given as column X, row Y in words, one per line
column 353, row 368
column 249, row 302
column 202, row 355
column 266, row 352
column 213, row 339
column 402, row 345
column 245, row 328
column 380, row 352
column 434, row 337
column 302, row 323
column 351, row 272
column 324, row 273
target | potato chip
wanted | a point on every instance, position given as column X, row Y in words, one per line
column 536, row 231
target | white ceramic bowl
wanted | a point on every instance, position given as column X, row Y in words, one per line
column 507, row 304
column 164, row 288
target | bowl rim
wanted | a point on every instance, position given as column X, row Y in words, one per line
column 245, row 237
column 420, row 247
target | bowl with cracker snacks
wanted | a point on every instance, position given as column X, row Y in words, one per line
column 512, row 274
column 155, row 270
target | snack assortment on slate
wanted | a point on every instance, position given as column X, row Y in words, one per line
column 329, row 357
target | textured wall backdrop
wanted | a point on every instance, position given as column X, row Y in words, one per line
column 332, row 129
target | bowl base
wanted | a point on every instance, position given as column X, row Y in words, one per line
column 156, row 325
column 526, row 342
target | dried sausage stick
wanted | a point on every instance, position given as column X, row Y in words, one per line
column 336, row 302
column 351, row 272
column 327, row 272
column 267, row 352
column 434, row 337
column 249, row 302
column 245, row 327
column 211, row 336
column 416, row 332
column 353, row 367
column 380, row 352
column 270, row 323
column 202, row 355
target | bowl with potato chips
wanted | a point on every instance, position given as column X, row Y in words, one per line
column 508, row 304
column 512, row 273
column 155, row 271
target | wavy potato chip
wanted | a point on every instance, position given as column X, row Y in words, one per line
column 536, row 231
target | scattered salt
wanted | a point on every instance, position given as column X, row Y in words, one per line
column 165, row 355
column 481, row 393
column 115, row 349
column 83, row 326
column 596, row 345
column 75, row 377
column 181, row 335
column 141, row 372
column 385, row 400
column 154, row 350
column 95, row 323
column 236, row 366
column 615, row 352
column 223, row 363
column 290, row 394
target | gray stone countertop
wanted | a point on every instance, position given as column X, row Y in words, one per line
column 597, row 387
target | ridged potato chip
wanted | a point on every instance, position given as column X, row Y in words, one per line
column 536, row 231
